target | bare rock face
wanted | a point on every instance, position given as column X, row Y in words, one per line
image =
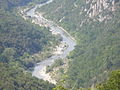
column 97, row 6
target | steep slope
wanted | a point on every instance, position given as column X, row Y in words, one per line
column 13, row 77
column 96, row 26
column 19, row 41
column 8, row 4
column 113, row 83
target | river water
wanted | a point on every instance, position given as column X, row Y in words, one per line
column 38, row 70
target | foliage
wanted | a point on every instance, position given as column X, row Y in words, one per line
column 14, row 32
column 113, row 83
column 57, row 63
column 98, row 43
column 19, row 41
column 59, row 88
column 39, row 1
column 15, row 78
column 23, row 37
column 8, row 4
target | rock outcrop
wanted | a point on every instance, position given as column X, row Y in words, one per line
column 97, row 6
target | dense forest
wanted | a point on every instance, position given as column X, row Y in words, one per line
column 95, row 27
column 95, row 24
column 8, row 4
column 19, row 41
column 113, row 83
column 13, row 77
column 21, row 37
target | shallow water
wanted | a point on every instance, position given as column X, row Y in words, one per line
column 66, row 38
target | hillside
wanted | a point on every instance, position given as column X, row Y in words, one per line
column 96, row 26
column 8, row 4
column 20, row 40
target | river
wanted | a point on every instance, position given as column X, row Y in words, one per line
column 39, row 70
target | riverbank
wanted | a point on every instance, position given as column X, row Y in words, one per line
column 61, row 51
column 47, row 76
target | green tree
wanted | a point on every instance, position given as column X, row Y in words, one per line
column 59, row 88
column 113, row 83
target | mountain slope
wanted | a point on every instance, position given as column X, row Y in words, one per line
column 19, row 41
column 96, row 26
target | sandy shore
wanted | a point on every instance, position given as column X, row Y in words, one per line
column 46, row 76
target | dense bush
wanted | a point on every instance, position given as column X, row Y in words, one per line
column 113, row 83
column 19, row 41
column 13, row 77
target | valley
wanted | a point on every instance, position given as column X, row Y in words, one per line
column 59, row 44
column 39, row 70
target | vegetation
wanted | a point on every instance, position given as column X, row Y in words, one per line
column 113, row 83
column 13, row 77
column 20, row 42
column 39, row 1
column 23, row 37
column 59, row 88
column 57, row 63
column 98, row 43
column 97, row 51
column 8, row 4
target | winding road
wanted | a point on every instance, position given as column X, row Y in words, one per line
column 40, row 68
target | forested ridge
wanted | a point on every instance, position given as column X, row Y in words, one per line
column 13, row 77
column 112, row 83
column 8, row 4
column 95, row 24
column 19, row 41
